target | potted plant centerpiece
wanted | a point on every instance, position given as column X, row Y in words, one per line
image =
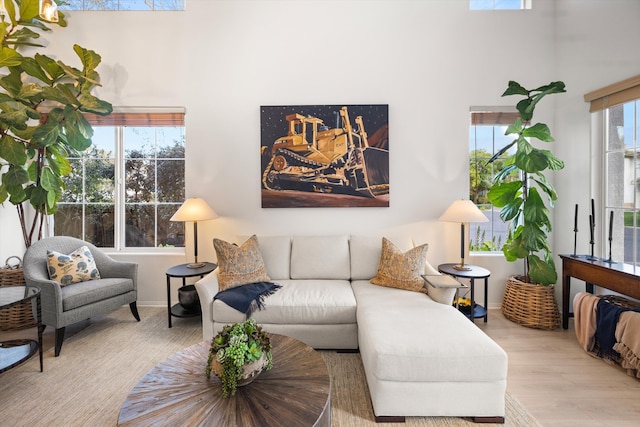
column 238, row 354
column 518, row 191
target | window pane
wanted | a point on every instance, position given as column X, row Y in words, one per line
column 484, row 142
column 68, row 221
column 170, row 142
column 622, row 173
column 139, row 142
column 100, row 180
column 140, row 226
column 74, row 183
column 100, row 225
column 140, row 178
column 169, row 233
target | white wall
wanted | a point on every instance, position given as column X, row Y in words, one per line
column 429, row 60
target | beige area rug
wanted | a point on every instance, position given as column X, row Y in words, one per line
column 106, row 356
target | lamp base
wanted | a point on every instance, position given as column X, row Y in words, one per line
column 461, row 267
column 196, row 265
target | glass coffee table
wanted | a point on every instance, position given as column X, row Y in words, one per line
column 17, row 351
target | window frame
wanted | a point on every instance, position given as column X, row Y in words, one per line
column 119, row 120
column 601, row 101
column 501, row 116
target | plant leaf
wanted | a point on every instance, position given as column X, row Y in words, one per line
column 9, row 57
column 542, row 272
column 503, row 193
column 539, row 131
column 12, row 151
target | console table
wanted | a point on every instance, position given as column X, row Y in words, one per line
column 616, row 276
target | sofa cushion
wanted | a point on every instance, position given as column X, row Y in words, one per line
column 239, row 265
column 449, row 348
column 300, row 302
column 399, row 269
column 276, row 254
column 83, row 293
column 365, row 254
column 78, row 266
column 320, row 257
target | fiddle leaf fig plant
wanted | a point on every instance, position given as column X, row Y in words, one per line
column 519, row 187
column 41, row 120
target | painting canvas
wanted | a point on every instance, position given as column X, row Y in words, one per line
column 325, row 156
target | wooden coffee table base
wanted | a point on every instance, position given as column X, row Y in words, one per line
column 295, row 392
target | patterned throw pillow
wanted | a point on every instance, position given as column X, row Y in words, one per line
column 239, row 265
column 76, row 267
column 401, row 270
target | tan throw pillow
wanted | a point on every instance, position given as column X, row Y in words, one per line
column 76, row 267
column 401, row 270
column 239, row 265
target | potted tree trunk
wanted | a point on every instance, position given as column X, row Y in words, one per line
column 519, row 190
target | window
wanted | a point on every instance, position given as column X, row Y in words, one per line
column 123, row 5
column 617, row 107
column 127, row 185
column 486, row 138
column 499, row 4
column 622, row 177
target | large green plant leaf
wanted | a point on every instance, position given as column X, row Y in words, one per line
column 15, row 176
column 9, row 57
column 505, row 192
column 546, row 187
column 12, row 151
column 539, row 131
column 534, row 238
column 33, row 68
column 50, row 66
column 514, row 248
column 47, row 133
column 90, row 60
column 535, row 211
column 531, row 159
column 91, row 104
column 514, row 88
column 12, row 82
column 28, row 10
column 542, row 272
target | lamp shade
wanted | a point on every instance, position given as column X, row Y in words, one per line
column 194, row 209
column 463, row 211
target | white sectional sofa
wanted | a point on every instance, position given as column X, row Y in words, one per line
column 421, row 356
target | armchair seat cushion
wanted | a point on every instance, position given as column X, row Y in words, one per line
column 83, row 293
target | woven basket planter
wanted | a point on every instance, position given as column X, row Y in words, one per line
column 530, row 305
column 19, row 316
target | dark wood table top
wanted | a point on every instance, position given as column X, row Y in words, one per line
column 295, row 392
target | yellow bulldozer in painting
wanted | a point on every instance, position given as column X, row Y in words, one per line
column 313, row 157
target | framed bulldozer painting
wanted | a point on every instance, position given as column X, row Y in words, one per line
column 325, row 156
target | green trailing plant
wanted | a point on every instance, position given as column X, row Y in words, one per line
column 519, row 186
column 41, row 120
column 234, row 346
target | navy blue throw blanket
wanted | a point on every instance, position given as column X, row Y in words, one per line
column 247, row 298
column 607, row 316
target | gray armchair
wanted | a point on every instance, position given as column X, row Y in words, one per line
column 65, row 305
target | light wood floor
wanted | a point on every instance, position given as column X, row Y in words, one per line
column 558, row 382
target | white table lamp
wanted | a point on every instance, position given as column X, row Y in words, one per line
column 194, row 209
column 463, row 211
